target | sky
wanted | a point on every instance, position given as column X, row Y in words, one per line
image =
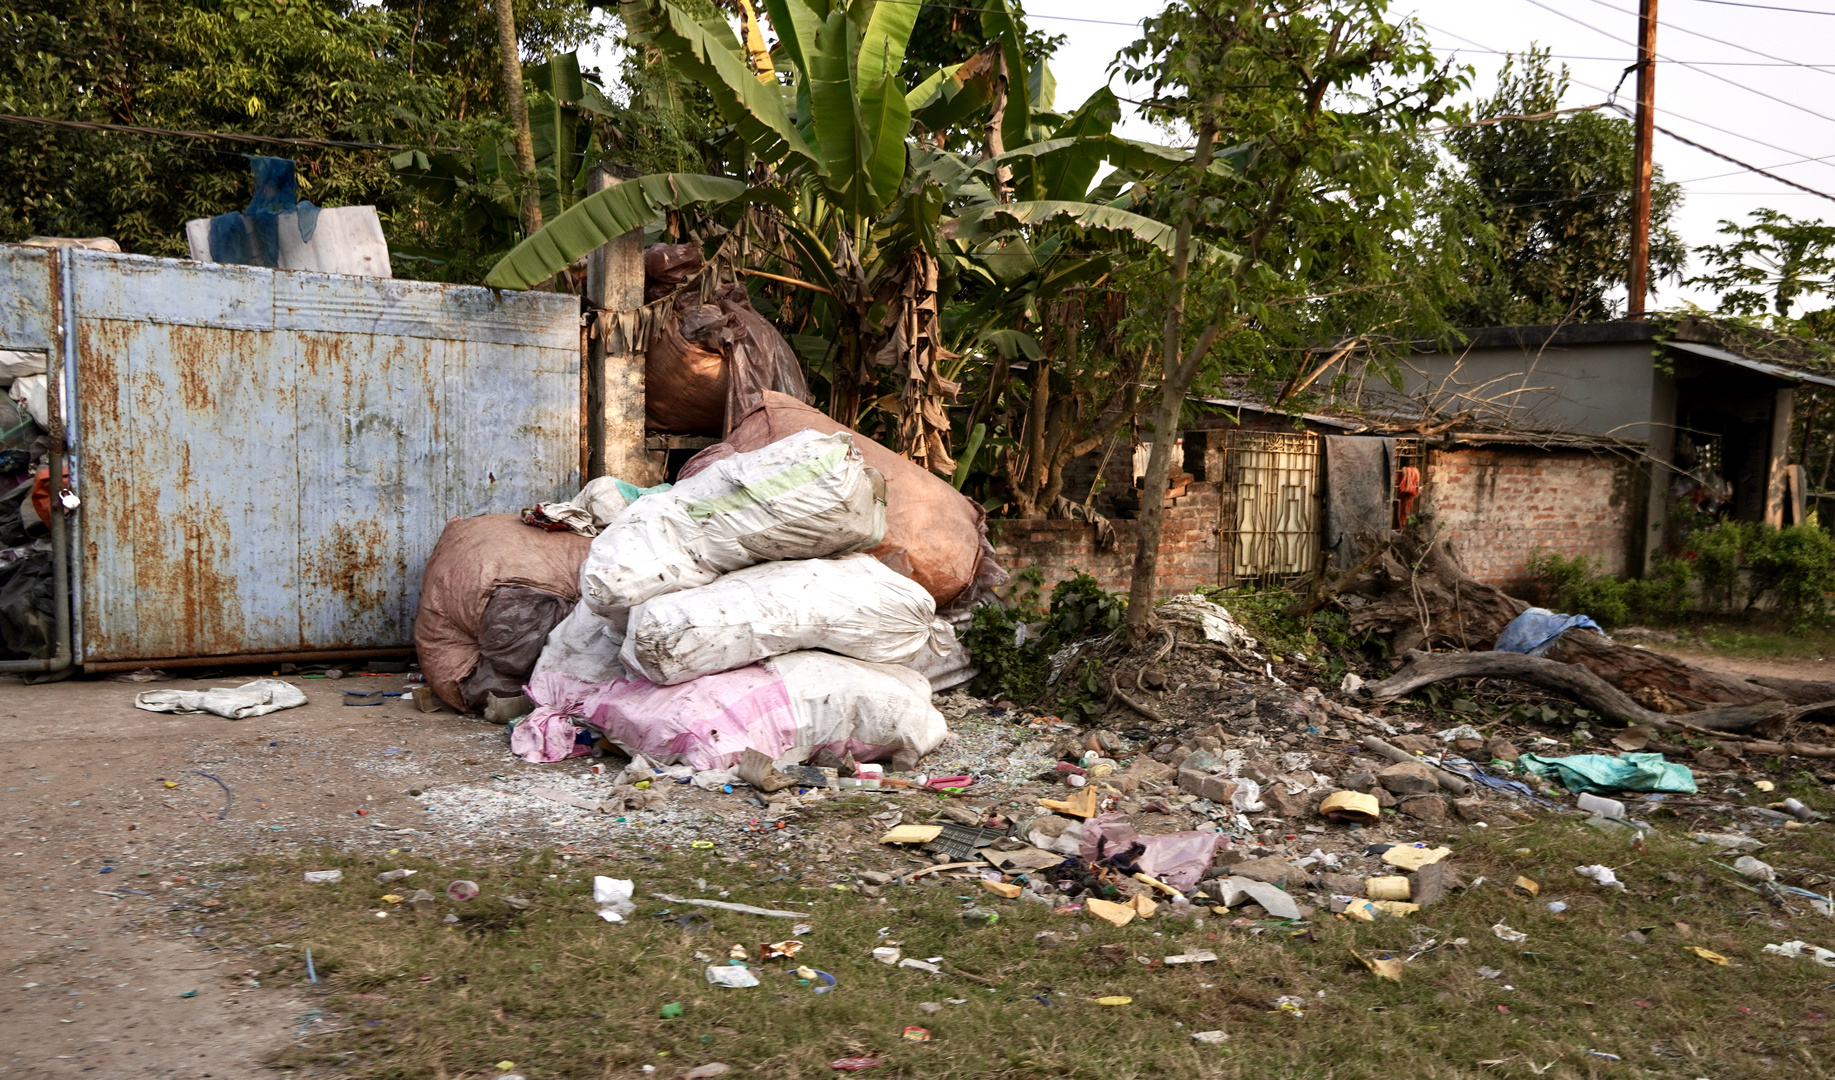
column 1754, row 83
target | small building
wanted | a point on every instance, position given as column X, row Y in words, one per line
column 1597, row 439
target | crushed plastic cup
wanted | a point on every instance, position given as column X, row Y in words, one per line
column 462, row 890
column 1753, row 870
column 1594, row 804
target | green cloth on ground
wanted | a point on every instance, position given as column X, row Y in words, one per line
column 1602, row 772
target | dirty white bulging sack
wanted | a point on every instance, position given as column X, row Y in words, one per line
column 584, row 646
column 807, row 496
column 853, row 605
column 877, row 711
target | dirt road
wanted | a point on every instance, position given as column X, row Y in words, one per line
column 110, row 834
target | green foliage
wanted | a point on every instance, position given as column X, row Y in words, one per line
column 1556, row 196
column 1736, row 564
column 1776, row 262
column 337, row 69
column 1080, row 609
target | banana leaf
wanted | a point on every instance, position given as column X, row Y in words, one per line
column 603, row 215
column 982, row 222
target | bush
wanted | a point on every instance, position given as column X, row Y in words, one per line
column 1017, row 670
column 1738, row 565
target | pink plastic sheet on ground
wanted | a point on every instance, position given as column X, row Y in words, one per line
column 708, row 722
column 1178, row 859
column 547, row 734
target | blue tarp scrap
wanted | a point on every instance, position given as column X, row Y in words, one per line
column 251, row 237
column 1535, row 630
column 1603, row 772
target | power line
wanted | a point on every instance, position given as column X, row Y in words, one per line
column 1705, row 37
column 1620, row 59
column 1734, row 160
column 1767, row 7
column 1709, row 74
column 1703, row 123
column 132, row 129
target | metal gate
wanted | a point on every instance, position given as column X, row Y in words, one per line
column 1269, row 512
column 265, row 458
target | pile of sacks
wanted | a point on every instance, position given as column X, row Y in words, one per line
column 774, row 599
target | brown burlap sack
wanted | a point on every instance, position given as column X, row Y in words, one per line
column 473, row 558
column 940, row 532
column 685, row 371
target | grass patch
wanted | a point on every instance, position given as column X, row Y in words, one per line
column 1768, row 643
column 562, row 994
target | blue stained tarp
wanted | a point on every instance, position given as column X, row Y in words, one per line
column 251, row 237
column 1535, row 630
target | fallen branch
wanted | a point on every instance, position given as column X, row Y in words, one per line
column 1569, row 680
column 1455, row 784
column 1319, row 597
column 1145, row 710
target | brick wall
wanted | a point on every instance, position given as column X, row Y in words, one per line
column 1063, row 549
column 1500, row 506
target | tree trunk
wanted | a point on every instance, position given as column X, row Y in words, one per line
column 1570, row 680
column 510, row 56
column 1177, row 373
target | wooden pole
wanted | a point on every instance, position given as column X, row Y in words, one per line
column 1639, row 286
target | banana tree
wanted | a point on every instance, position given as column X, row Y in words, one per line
column 873, row 217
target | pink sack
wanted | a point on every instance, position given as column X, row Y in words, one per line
column 547, row 734
column 709, row 722
column 1178, row 859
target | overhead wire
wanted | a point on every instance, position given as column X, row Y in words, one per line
column 1729, row 157
column 1666, row 60
column 1712, row 75
column 1708, row 37
column 1693, row 120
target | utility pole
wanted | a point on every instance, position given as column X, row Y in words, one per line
column 1646, row 124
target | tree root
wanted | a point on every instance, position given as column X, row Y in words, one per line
column 1576, row 682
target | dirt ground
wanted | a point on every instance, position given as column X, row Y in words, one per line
column 109, row 837
column 115, row 818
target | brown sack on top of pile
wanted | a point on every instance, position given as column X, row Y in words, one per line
column 938, row 530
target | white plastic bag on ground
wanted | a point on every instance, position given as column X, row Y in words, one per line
column 257, row 698
column 853, row 605
column 803, row 701
column 807, row 496
column 584, row 646
column 613, row 895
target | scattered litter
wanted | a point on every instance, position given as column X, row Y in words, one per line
column 1601, row 874
column 855, row 1064
column 613, row 895
column 1754, row 870
column 1110, row 912
column 1383, row 968
column 707, row 1071
column 1504, row 933
column 731, row 976
column 390, row 876
column 1196, row 956
column 917, row 965
column 743, row 909
column 1528, row 885
column 1556, row 907
column 1351, row 806
column 1709, row 955
column 1603, row 772
column 324, row 877
column 461, row 891
column 1115, row 999
column 257, row 698
column 1414, row 856
column 1795, row 949
column 1209, row 1036
column 916, row 1034
column 1727, row 840
column 887, row 955
column 1490, row 973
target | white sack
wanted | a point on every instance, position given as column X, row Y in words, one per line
column 954, row 666
column 258, row 698
column 33, row 392
column 16, row 364
column 853, row 605
column 584, row 646
column 807, row 496
column 879, row 711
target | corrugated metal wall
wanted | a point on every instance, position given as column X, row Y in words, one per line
column 266, row 458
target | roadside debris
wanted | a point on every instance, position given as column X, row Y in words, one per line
column 256, row 698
